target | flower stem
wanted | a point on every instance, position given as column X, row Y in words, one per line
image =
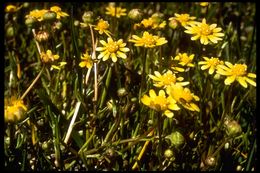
column 143, row 74
column 33, row 83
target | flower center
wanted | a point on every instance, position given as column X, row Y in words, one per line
column 205, row 29
column 159, row 103
column 102, row 25
column 112, row 47
column 239, row 69
column 185, row 59
column 168, row 79
column 184, row 18
column 149, row 40
column 213, row 62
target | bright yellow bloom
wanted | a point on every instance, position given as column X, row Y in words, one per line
column 151, row 23
column 148, row 40
column 86, row 61
column 210, row 64
column 236, row 72
column 206, row 33
column 112, row 49
column 204, row 4
column 61, row 64
column 102, row 27
column 58, row 11
column 48, row 56
column 184, row 59
column 11, row 9
column 166, row 79
column 183, row 19
column 160, row 102
column 37, row 14
column 183, row 96
column 14, row 109
column 118, row 11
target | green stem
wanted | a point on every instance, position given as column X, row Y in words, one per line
column 105, row 89
column 143, row 74
column 160, row 136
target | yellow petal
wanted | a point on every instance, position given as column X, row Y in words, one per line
column 152, row 93
column 242, row 81
column 168, row 113
column 145, row 100
column 230, row 80
column 250, row 81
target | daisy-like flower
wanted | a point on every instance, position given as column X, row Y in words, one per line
column 236, row 72
column 37, row 14
column 102, row 27
column 115, row 11
column 183, row 19
column 148, row 40
column 160, row 102
column 183, row 96
column 112, row 49
column 185, row 60
column 210, row 64
column 58, row 11
column 166, row 79
column 206, row 33
column 86, row 61
column 14, row 109
column 48, row 56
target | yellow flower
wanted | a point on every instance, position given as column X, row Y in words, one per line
column 210, row 64
column 166, row 79
column 184, row 59
column 183, row 96
column 37, row 14
column 236, row 72
column 118, row 11
column 206, row 33
column 11, row 9
column 183, row 19
column 86, row 61
column 112, row 49
column 204, row 4
column 48, row 56
column 61, row 64
column 102, row 27
column 148, row 40
column 160, row 102
column 58, row 11
column 151, row 23
column 14, row 109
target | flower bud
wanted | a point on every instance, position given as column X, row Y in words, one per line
column 87, row 17
column 50, row 15
column 210, row 161
column 233, row 128
column 158, row 17
column 121, row 92
column 168, row 154
column 173, row 24
column 176, row 138
column 30, row 21
column 10, row 31
column 135, row 14
column 26, row 5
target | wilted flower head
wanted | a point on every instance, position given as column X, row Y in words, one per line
column 14, row 109
column 10, row 9
column 48, row 56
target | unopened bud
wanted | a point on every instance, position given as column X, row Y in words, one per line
column 121, row 92
column 233, row 128
column 210, row 161
column 168, row 154
column 87, row 17
column 176, row 138
column 135, row 14
column 50, row 15
column 173, row 24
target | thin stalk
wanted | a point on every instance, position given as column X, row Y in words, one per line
column 33, row 83
column 143, row 74
column 160, row 136
column 87, row 142
column 105, row 89
column 72, row 122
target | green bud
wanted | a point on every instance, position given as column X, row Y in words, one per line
column 135, row 14
column 10, row 31
column 45, row 145
column 158, row 17
column 50, row 15
column 210, row 161
column 121, row 92
column 30, row 21
column 168, row 154
column 87, row 17
column 176, row 138
column 26, row 4
column 173, row 24
column 58, row 25
column 233, row 128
